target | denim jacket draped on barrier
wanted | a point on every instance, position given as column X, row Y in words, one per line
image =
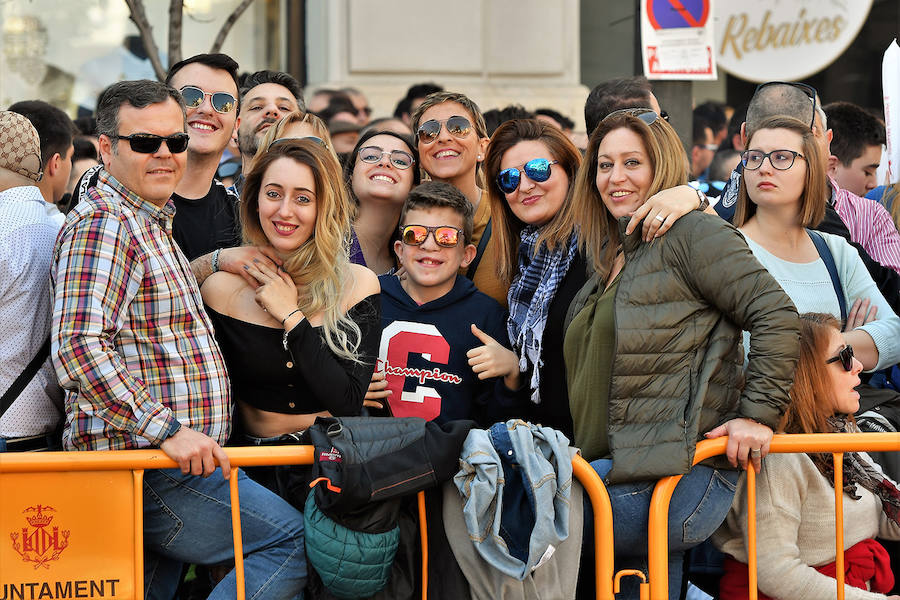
column 516, row 485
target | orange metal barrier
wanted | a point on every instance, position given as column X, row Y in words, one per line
column 94, row 549
column 835, row 443
column 603, row 526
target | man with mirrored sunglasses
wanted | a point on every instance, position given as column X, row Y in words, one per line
column 135, row 352
column 206, row 215
column 207, row 224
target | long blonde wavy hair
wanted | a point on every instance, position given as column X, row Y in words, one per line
column 320, row 266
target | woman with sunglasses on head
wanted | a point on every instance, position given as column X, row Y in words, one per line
column 652, row 346
column 380, row 173
column 296, row 125
column 780, row 196
column 302, row 342
column 795, row 492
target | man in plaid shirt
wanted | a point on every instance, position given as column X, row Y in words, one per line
column 134, row 350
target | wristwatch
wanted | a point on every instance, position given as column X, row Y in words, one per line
column 704, row 201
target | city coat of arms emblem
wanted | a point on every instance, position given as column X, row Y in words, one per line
column 40, row 543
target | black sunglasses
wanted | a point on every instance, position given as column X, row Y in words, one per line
column 148, row 143
column 809, row 90
column 456, row 125
column 222, row 102
column 845, row 355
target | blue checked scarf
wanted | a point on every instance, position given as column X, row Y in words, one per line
column 529, row 298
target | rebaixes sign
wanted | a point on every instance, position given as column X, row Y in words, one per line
column 769, row 40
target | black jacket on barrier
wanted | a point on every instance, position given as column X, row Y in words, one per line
column 374, row 467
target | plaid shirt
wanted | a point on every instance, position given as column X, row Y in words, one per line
column 870, row 225
column 131, row 342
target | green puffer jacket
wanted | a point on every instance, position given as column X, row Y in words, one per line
column 680, row 307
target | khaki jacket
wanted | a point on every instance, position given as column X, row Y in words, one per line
column 681, row 304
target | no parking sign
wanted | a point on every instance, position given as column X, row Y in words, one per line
column 677, row 39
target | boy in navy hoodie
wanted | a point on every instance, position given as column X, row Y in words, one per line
column 444, row 343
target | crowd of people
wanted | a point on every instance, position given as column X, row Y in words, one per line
column 228, row 263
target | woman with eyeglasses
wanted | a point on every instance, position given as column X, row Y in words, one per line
column 795, row 492
column 779, row 198
column 653, row 344
column 302, row 341
column 380, row 173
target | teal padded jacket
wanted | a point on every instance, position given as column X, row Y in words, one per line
column 351, row 564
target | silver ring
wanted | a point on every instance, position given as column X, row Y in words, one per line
column 660, row 218
column 755, row 452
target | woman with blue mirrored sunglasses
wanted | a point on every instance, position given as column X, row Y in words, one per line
column 536, row 169
column 530, row 166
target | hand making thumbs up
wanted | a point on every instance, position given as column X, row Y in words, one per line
column 493, row 360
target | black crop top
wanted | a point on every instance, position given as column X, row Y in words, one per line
column 306, row 378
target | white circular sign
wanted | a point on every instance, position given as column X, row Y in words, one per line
column 772, row 40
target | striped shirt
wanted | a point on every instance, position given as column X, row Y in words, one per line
column 131, row 343
column 870, row 225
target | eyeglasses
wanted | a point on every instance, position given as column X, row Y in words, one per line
column 537, row 169
column 399, row 158
column 148, row 143
column 845, row 355
column 284, row 140
column 779, row 159
column 444, row 235
column 457, row 126
column 222, row 102
column 809, row 90
column 644, row 114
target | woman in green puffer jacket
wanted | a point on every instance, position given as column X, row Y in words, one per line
column 653, row 345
